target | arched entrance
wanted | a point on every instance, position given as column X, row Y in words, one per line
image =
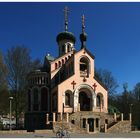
column 86, row 97
column 85, row 101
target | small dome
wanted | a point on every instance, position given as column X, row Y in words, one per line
column 49, row 57
column 66, row 35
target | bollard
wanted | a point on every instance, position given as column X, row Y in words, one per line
column 67, row 117
column 105, row 127
column 115, row 118
column 60, row 116
column 130, row 117
column 87, row 126
column 99, row 125
column 47, row 118
column 53, row 117
column 78, row 106
column 121, row 116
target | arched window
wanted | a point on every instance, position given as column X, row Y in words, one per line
column 54, row 101
column 69, row 46
column 100, row 100
column 29, row 100
column 63, row 61
column 67, row 99
column 63, row 49
column 35, row 80
column 47, row 80
column 35, row 99
column 55, row 65
column 44, row 99
column 59, row 64
column 43, row 80
column 84, row 67
column 66, row 59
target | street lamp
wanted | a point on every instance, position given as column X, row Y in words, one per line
column 10, row 98
column 130, row 115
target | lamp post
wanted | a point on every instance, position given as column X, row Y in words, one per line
column 130, row 115
column 131, row 108
column 10, row 98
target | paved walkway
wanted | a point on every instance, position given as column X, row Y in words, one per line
column 50, row 134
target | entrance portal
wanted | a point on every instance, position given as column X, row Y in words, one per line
column 85, row 101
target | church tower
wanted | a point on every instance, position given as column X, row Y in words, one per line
column 66, row 40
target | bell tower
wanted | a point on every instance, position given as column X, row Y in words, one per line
column 66, row 40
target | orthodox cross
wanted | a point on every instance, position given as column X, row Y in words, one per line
column 73, row 83
column 83, row 23
column 66, row 10
column 94, row 87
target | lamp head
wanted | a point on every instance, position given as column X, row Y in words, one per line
column 11, row 98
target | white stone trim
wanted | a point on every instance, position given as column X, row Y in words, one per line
column 76, row 96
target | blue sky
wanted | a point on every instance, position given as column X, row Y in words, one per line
column 113, row 32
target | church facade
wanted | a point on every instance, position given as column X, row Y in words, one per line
column 66, row 84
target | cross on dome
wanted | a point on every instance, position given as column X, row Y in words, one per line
column 83, row 23
column 66, row 11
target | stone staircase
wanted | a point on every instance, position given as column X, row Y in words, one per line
column 111, row 124
column 120, row 127
column 77, row 129
column 75, row 123
column 89, row 114
column 72, row 128
column 78, row 115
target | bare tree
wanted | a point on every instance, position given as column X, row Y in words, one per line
column 136, row 91
column 19, row 64
column 136, row 105
column 108, row 80
column 3, row 71
column 4, row 94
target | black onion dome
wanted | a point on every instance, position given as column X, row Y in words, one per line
column 66, row 35
column 83, row 37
